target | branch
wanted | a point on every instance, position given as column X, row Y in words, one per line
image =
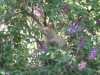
column 15, row 12
column 44, row 18
column 34, row 17
column 38, row 41
column 79, row 19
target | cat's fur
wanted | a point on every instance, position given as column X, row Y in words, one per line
column 52, row 37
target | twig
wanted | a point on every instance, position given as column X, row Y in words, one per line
column 38, row 40
column 44, row 18
column 78, row 20
column 18, row 12
column 34, row 17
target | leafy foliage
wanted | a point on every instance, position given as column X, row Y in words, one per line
column 23, row 48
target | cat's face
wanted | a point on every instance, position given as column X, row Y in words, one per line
column 47, row 30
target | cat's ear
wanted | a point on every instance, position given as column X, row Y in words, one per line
column 50, row 27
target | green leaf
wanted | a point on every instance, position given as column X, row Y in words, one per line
column 59, row 69
column 31, row 1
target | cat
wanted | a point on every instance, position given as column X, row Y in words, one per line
column 52, row 37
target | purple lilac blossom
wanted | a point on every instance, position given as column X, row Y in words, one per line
column 71, row 30
column 78, row 27
column 93, row 53
column 65, row 8
column 38, row 11
column 82, row 65
column 44, row 48
column 81, row 42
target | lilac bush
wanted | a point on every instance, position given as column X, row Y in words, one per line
column 17, row 42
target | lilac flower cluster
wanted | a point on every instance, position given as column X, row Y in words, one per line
column 78, row 27
column 44, row 48
column 82, row 65
column 38, row 11
column 81, row 42
column 93, row 53
column 72, row 29
column 65, row 8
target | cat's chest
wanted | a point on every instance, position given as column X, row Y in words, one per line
column 49, row 38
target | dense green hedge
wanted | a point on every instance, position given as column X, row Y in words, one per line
column 23, row 48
